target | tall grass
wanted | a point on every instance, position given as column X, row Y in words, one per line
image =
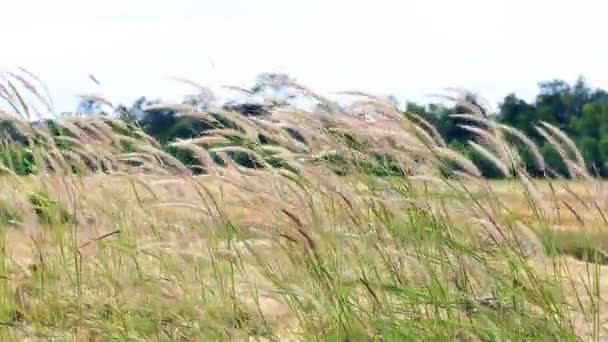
column 145, row 250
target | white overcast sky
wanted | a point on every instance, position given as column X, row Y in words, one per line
column 404, row 47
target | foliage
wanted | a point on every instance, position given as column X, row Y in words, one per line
column 578, row 110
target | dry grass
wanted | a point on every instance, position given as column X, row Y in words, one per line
column 148, row 251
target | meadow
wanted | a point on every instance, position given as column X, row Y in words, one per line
column 112, row 238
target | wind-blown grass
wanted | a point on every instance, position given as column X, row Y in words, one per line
column 134, row 246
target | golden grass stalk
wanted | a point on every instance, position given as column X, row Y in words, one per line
column 470, row 117
column 564, row 138
column 431, row 128
column 461, row 160
column 239, row 149
column 560, row 150
column 200, row 153
column 504, row 169
column 32, row 89
column 539, row 161
column 493, row 139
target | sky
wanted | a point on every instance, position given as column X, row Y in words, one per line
column 411, row 49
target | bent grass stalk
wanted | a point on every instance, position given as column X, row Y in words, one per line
column 176, row 256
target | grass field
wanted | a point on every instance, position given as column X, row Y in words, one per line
column 152, row 258
column 145, row 250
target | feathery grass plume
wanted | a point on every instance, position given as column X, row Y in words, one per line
column 539, row 160
column 489, row 137
column 136, row 131
column 83, row 161
column 144, row 156
column 239, row 149
column 431, row 128
column 137, row 166
column 229, row 163
column 285, row 137
column 31, row 88
column 103, row 131
column 120, row 124
column 204, row 117
column 300, row 131
column 17, row 95
column 268, row 126
column 560, row 150
column 461, row 100
column 474, row 118
column 201, row 154
column 90, row 161
column 165, row 160
column 181, row 108
column 464, row 163
column 71, row 127
column 278, row 151
column 377, row 107
column 494, row 139
column 137, row 143
column 368, row 236
column 91, row 154
column 226, row 132
column 53, row 160
column 11, row 101
column 569, row 143
column 75, row 142
column 90, row 135
column 492, row 234
column 210, row 140
column 504, row 169
column 425, row 137
column 371, row 132
column 5, row 171
column 47, row 95
column 243, row 123
column 133, row 161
